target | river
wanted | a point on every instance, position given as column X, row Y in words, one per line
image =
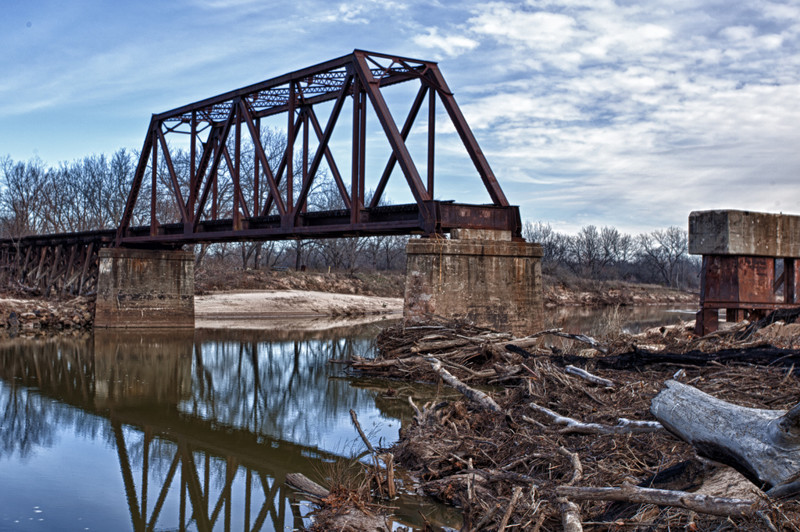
column 196, row 430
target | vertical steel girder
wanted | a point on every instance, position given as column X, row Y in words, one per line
column 223, row 123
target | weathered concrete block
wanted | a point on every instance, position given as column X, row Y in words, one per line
column 494, row 283
column 144, row 289
column 730, row 232
column 480, row 234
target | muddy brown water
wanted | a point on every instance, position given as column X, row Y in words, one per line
column 197, row 430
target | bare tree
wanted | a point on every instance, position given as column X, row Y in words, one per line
column 587, row 256
column 665, row 251
column 22, row 201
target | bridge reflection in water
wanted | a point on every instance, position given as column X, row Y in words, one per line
column 205, row 425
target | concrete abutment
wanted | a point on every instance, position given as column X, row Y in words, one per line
column 139, row 288
column 482, row 276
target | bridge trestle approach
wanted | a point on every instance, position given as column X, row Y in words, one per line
column 53, row 265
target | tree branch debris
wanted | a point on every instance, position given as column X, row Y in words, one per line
column 521, row 470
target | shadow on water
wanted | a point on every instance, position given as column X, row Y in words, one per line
column 178, row 429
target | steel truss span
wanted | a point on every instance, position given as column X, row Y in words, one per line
column 230, row 186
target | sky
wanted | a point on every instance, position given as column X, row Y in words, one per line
column 629, row 114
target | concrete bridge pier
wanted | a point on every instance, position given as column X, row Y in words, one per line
column 751, row 264
column 479, row 275
column 138, row 288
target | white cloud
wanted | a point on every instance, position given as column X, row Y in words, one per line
column 687, row 106
column 450, row 45
column 588, row 110
column 355, row 12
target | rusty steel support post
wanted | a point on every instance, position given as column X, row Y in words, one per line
column 306, row 177
column 292, row 136
column 189, row 224
column 791, row 274
column 431, row 137
column 256, row 134
column 235, row 171
column 154, row 183
column 355, row 167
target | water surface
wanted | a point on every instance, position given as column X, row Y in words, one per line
column 178, row 430
column 196, row 430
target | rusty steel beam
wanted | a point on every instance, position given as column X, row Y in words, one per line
column 745, row 287
column 216, row 206
column 390, row 220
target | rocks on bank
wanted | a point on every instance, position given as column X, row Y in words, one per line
column 43, row 316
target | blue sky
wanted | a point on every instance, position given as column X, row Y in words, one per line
column 596, row 112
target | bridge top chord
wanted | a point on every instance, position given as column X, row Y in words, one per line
column 231, row 184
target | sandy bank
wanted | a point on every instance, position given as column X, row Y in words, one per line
column 250, row 308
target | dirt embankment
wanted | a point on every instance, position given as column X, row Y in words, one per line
column 382, row 284
column 610, row 293
column 557, row 293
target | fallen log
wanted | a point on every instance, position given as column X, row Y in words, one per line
column 594, row 379
column 763, row 445
column 623, row 426
column 302, row 483
column 763, row 355
column 705, row 504
column 476, row 396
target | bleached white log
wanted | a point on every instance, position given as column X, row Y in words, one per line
column 476, row 396
column 763, row 445
column 693, row 501
column 594, row 379
column 623, row 426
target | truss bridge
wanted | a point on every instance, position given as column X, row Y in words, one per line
column 286, row 158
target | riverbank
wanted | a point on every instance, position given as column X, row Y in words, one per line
column 588, row 293
column 245, row 299
column 234, row 310
column 376, row 283
column 557, row 292
column 42, row 316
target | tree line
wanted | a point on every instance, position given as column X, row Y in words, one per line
column 90, row 194
column 659, row 257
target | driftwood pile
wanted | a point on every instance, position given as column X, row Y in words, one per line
column 555, row 431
